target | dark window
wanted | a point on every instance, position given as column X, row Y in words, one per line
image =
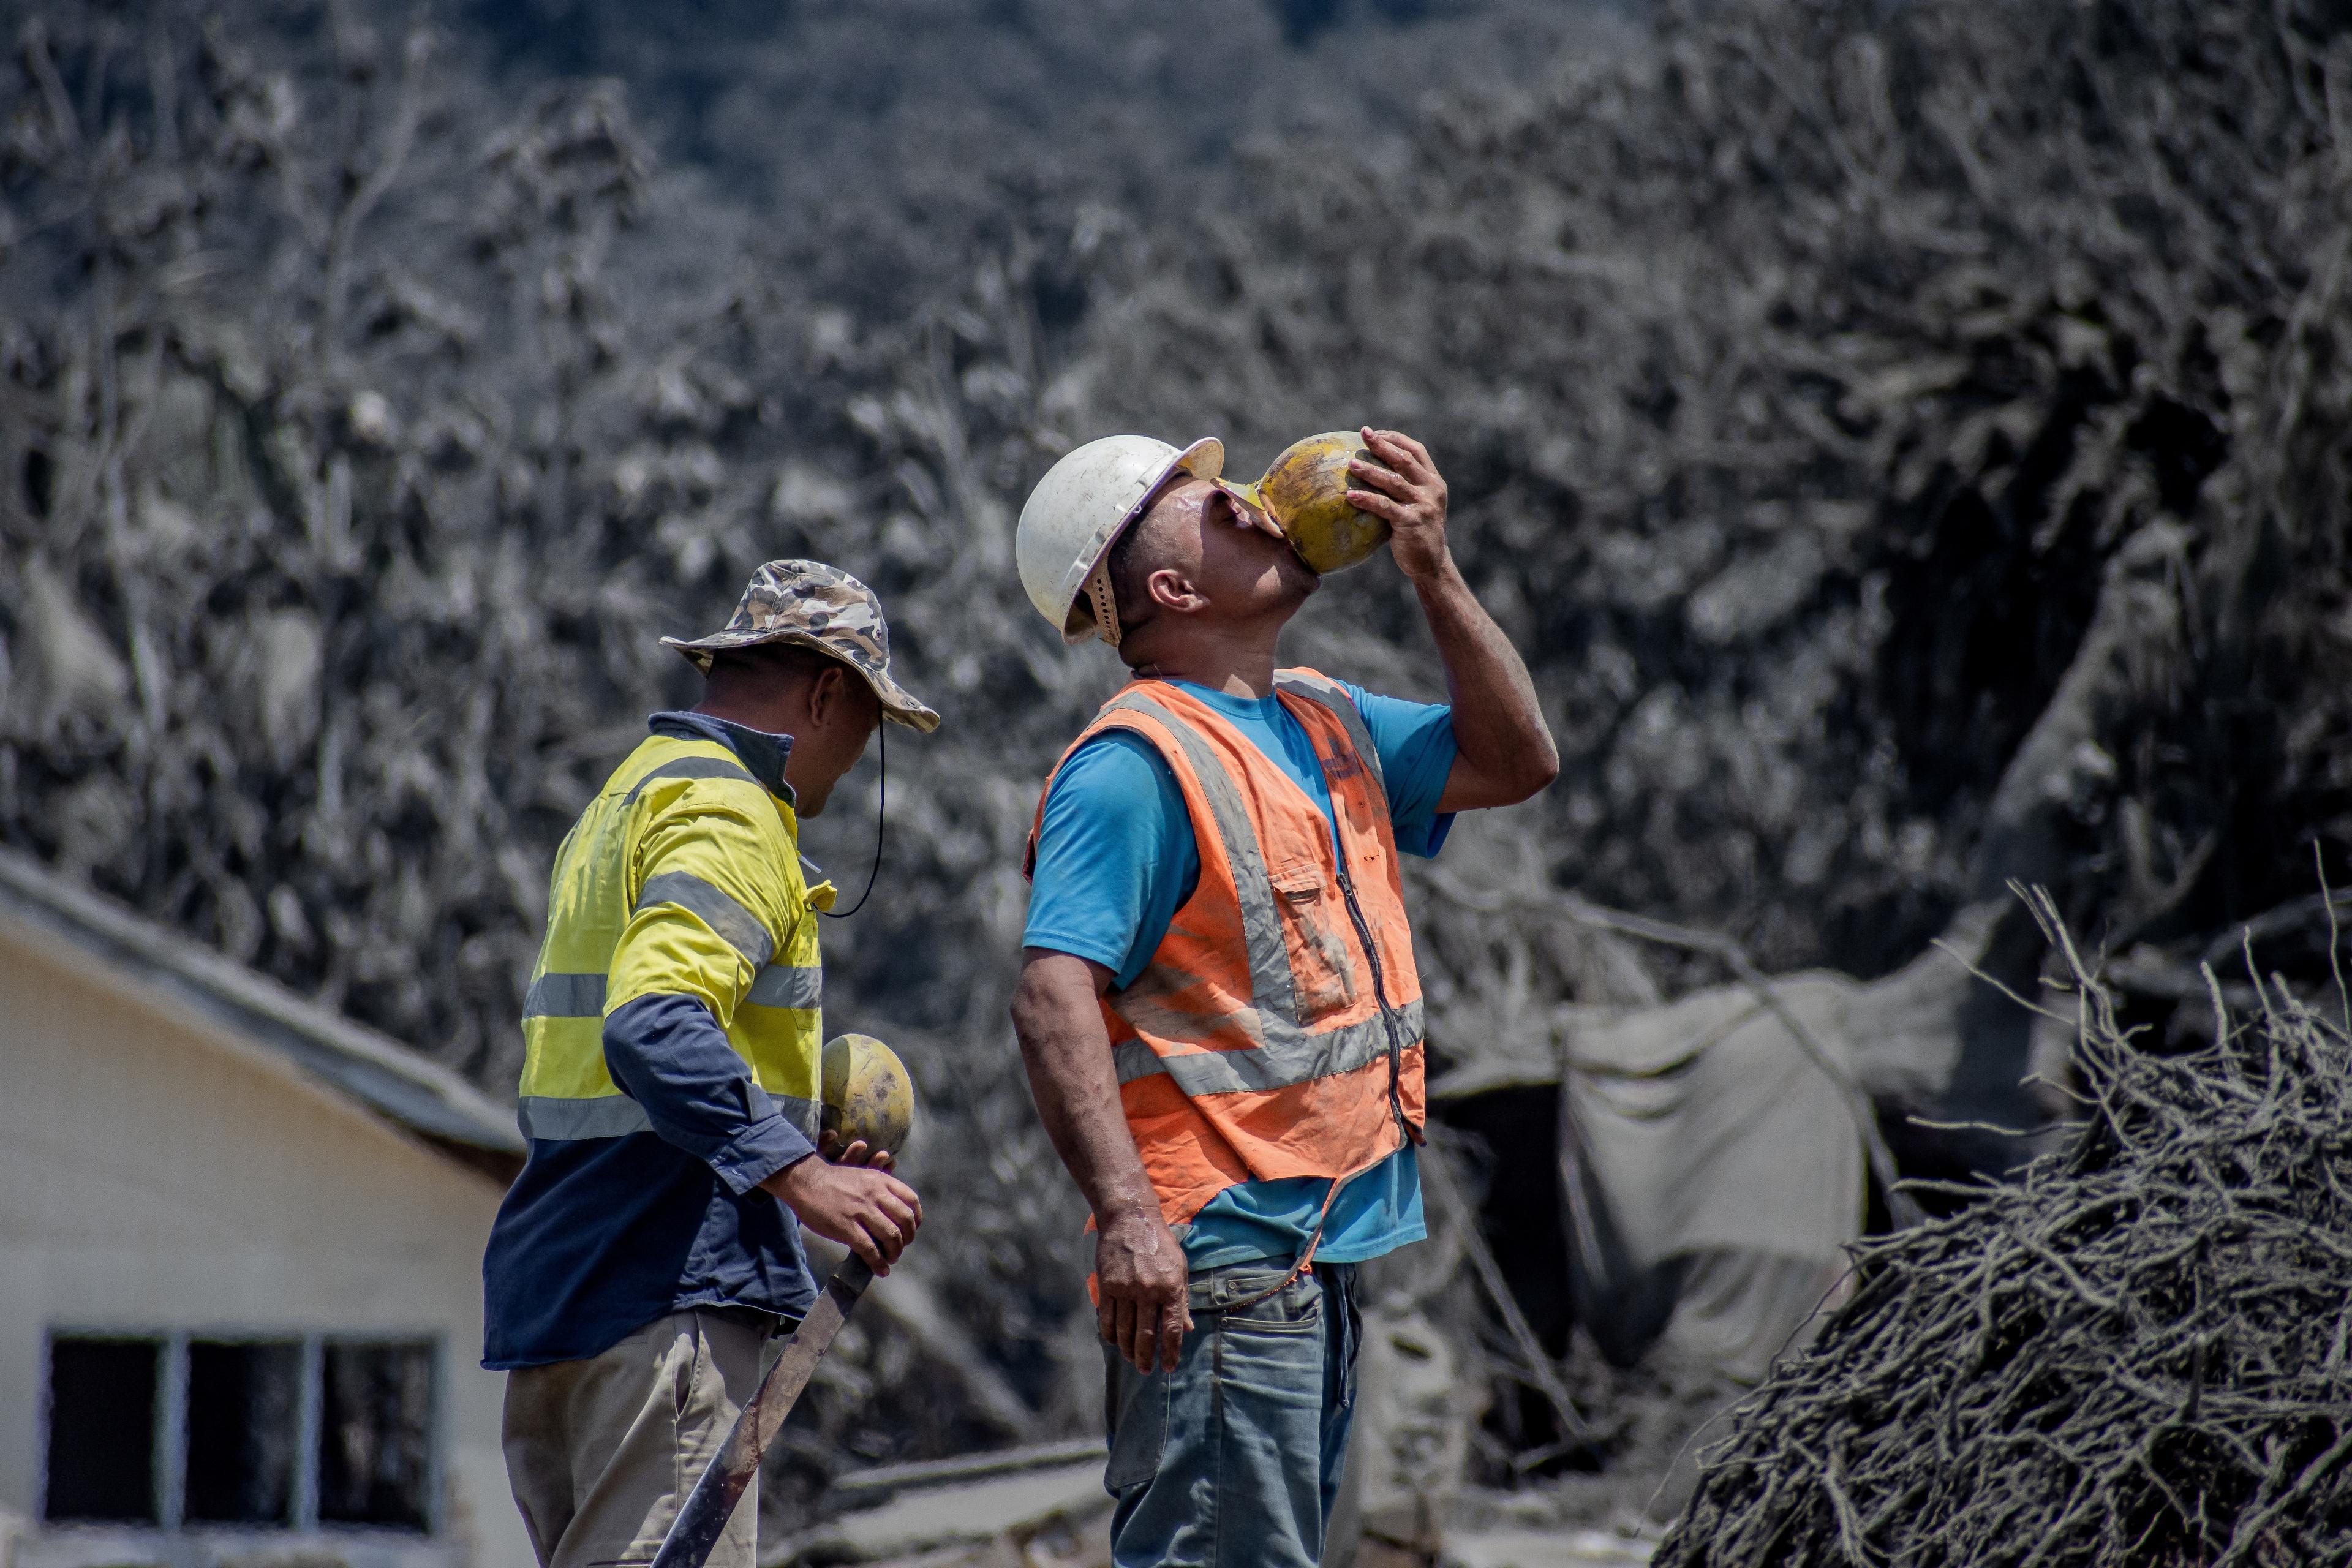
column 102, row 1430
column 375, row 1435
column 291, row 1433
column 245, row 1413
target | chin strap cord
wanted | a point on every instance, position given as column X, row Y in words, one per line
column 881, row 805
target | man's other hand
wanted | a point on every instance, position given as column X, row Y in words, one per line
column 828, row 1144
column 1141, row 1302
column 1145, row 1308
column 1409, row 494
column 856, row 1202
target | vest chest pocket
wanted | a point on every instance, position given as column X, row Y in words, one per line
column 1313, row 931
column 1297, row 880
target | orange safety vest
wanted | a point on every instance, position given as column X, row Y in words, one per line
column 1276, row 1030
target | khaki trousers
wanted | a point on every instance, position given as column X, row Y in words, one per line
column 603, row 1452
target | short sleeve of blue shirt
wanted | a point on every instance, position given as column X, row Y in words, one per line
column 1116, row 855
column 1415, row 741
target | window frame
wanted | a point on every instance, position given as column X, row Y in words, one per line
column 170, row 1416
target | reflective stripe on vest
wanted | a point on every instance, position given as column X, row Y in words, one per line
column 1296, row 1059
column 567, row 1091
column 1234, row 1064
column 1333, row 696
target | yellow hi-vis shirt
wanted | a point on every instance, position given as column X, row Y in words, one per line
column 683, row 877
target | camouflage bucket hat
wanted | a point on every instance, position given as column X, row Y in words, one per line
column 818, row 606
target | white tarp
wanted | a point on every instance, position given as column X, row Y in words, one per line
column 1714, row 1170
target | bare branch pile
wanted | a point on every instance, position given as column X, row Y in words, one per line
column 2135, row 1354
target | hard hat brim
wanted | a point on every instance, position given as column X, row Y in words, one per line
column 1203, row 459
column 1253, row 508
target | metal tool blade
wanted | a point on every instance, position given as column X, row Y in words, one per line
column 711, row 1504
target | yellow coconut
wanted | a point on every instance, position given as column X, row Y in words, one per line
column 866, row 1093
column 1306, row 493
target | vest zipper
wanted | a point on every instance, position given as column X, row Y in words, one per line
column 1380, row 996
column 1396, row 1070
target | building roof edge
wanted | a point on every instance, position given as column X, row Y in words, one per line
column 375, row 1069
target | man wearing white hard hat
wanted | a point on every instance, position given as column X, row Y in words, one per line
column 1218, row 1007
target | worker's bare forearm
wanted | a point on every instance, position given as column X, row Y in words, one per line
column 1504, row 749
column 1066, row 1052
column 1503, row 752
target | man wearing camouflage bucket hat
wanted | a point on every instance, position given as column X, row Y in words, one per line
column 670, row 1082
column 819, row 606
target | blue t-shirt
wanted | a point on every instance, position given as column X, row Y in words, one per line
column 1116, row 859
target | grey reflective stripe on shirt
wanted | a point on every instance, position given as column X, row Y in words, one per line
column 545, row 1117
column 801, row 1113
column 582, row 996
column 692, row 768
column 1290, row 1055
column 1272, row 985
column 555, row 1120
column 1334, row 697
column 787, row 985
column 565, row 997
column 716, row 908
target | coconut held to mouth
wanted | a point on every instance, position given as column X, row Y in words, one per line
column 1304, row 491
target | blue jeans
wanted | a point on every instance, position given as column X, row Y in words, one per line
column 1233, row 1459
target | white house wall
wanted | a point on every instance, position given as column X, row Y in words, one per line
column 157, row 1174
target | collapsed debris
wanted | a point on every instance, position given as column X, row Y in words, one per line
column 1039, row 1507
column 2135, row 1354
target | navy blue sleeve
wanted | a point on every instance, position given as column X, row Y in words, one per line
column 667, row 1053
column 1116, row 857
column 1416, row 740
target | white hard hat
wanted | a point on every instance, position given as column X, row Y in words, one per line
column 1081, row 505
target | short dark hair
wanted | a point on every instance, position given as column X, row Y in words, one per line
column 1127, row 575
column 769, row 661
